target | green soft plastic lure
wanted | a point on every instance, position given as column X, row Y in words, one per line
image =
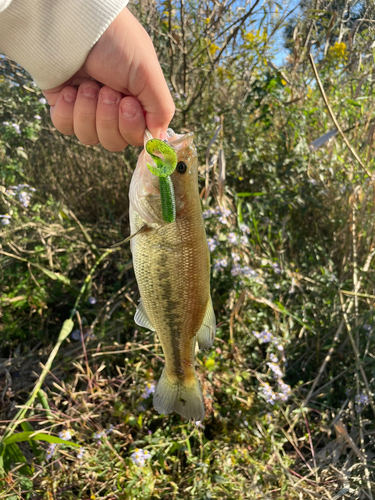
column 164, row 169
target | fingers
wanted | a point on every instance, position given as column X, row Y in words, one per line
column 84, row 116
column 107, row 120
column 62, row 111
column 132, row 121
column 98, row 115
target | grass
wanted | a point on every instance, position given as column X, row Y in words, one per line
column 251, row 444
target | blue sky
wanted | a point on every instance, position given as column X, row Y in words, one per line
column 279, row 45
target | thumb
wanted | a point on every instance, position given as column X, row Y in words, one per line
column 157, row 102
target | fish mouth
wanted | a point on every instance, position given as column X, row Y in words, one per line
column 179, row 141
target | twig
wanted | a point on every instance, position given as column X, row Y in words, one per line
column 92, row 245
column 357, row 358
column 337, row 125
column 109, row 302
column 87, row 279
column 280, row 309
column 338, row 331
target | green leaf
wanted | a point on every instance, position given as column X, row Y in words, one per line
column 354, row 103
column 244, row 195
column 27, row 427
column 15, row 455
column 63, row 215
column 38, row 452
column 66, row 329
column 39, row 436
column 52, row 275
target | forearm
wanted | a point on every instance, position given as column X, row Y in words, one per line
column 51, row 39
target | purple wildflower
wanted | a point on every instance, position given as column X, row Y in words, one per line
column 50, row 451
column 236, row 270
column 285, row 391
column 99, row 435
column 232, row 238
column 5, row 219
column 16, row 128
column 361, row 400
column 212, row 244
column 276, row 267
column 65, row 435
column 140, row 456
column 269, row 394
column 220, row 264
column 236, row 257
column 264, row 337
column 150, row 389
column 276, row 369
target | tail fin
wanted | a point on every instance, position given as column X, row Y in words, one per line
column 182, row 396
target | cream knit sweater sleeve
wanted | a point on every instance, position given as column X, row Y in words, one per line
column 52, row 38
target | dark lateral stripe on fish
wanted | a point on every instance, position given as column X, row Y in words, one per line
column 172, row 319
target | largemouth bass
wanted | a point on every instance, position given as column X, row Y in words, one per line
column 172, row 267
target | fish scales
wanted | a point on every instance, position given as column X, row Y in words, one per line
column 173, row 282
column 171, row 264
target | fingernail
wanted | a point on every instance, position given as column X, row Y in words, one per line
column 128, row 111
column 110, row 97
column 163, row 135
column 89, row 91
column 69, row 97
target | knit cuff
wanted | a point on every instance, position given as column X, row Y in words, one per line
column 52, row 39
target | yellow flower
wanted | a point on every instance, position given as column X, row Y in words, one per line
column 213, row 48
column 338, row 52
column 210, row 363
column 250, row 36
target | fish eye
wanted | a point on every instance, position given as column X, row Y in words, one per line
column 181, row 167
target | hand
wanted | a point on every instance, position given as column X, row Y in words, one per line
column 125, row 62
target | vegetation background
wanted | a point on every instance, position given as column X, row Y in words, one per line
column 288, row 196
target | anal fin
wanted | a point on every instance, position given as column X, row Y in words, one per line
column 141, row 318
column 206, row 333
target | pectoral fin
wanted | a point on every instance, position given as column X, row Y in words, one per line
column 141, row 318
column 206, row 333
